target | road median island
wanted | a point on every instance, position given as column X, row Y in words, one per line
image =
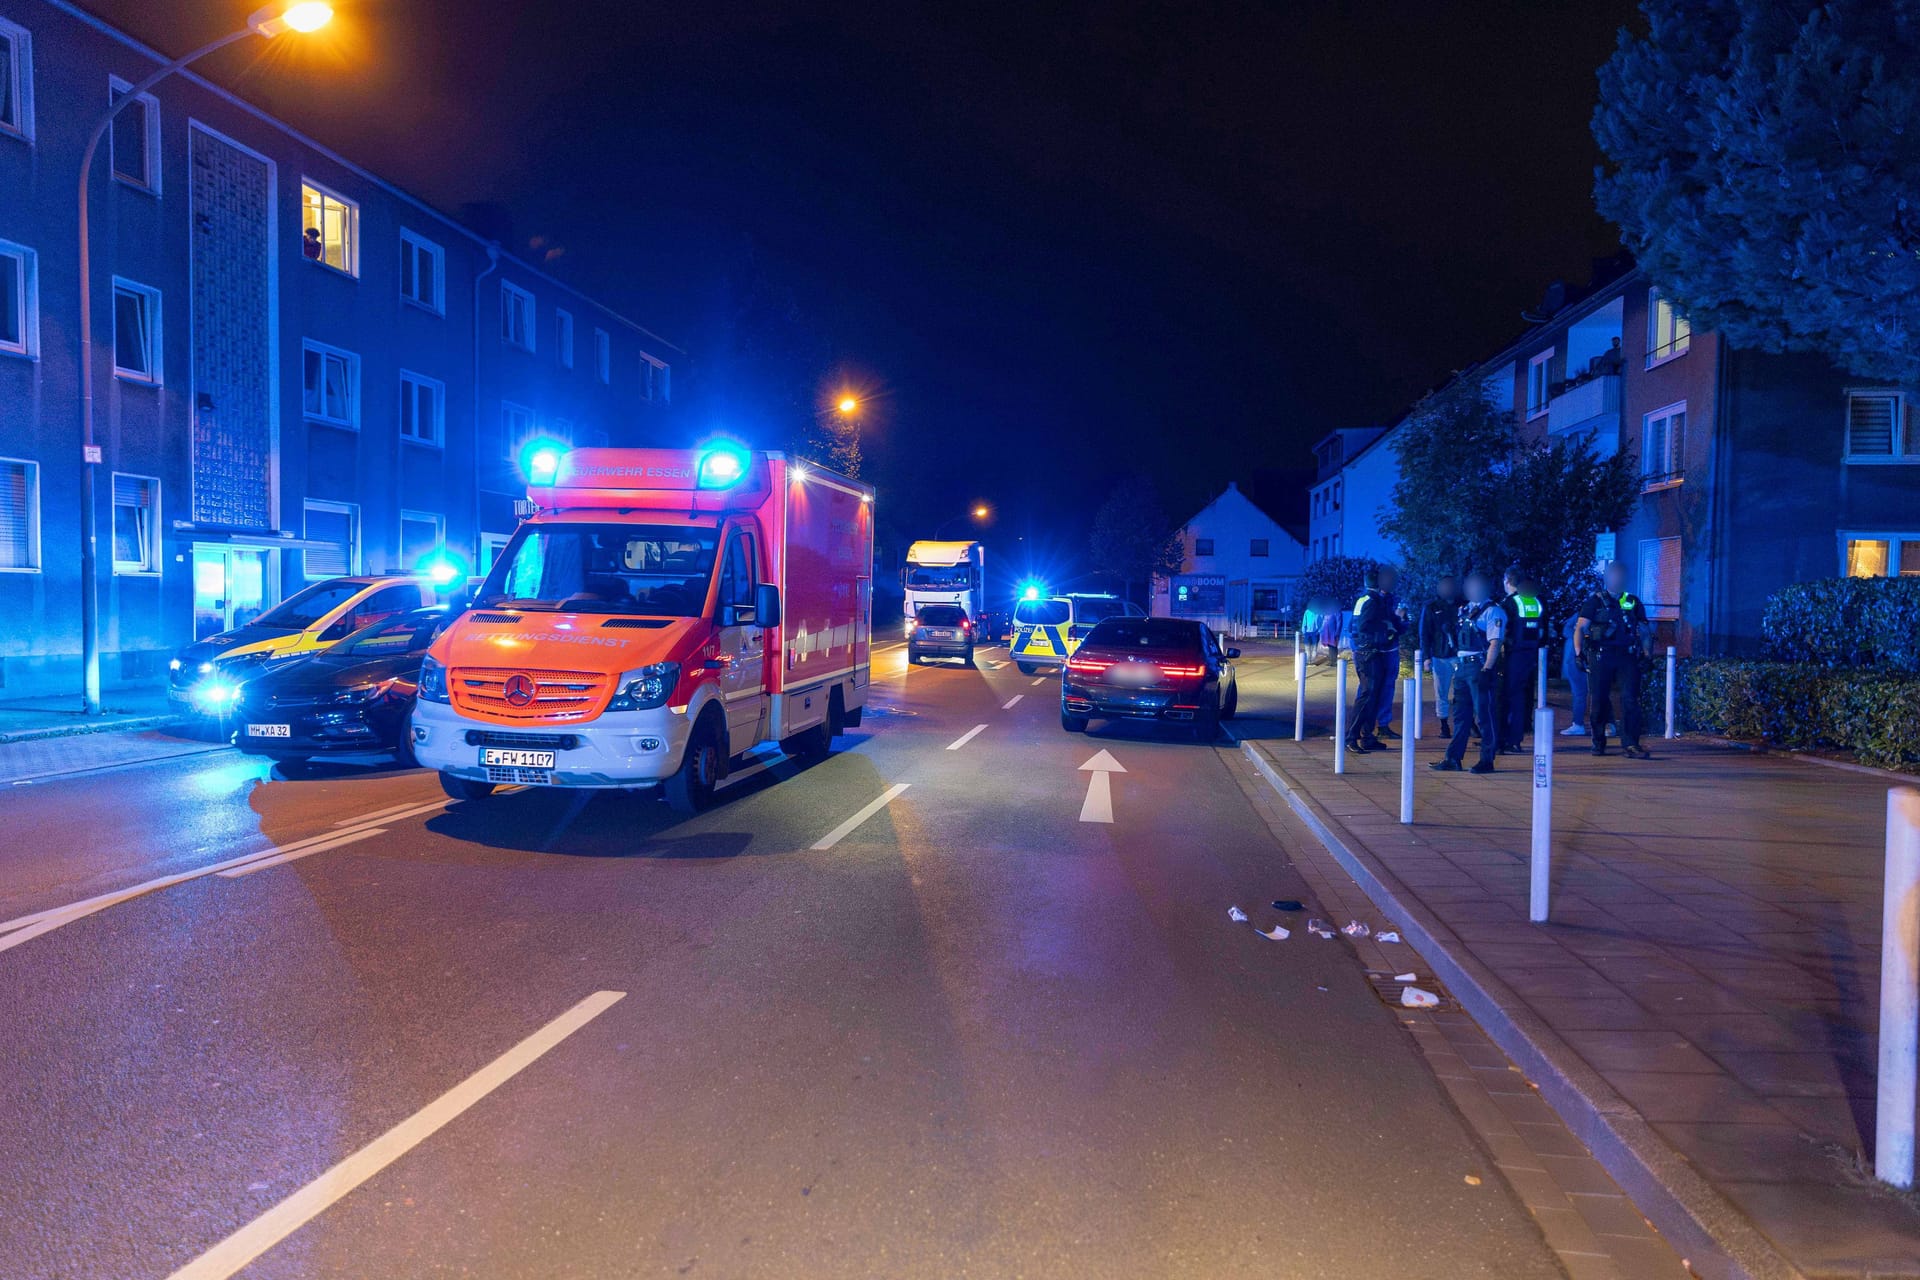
column 1700, row 1009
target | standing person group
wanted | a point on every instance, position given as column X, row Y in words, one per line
column 1378, row 621
column 1611, row 636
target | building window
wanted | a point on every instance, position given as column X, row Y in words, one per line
column 1539, row 382
column 16, row 80
column 1663, row 438
column 329, row 229
column 330, row 386
column 423, row 409
column 603, row 356
column 653, row 379
column 1257, row 547
column 136, row 332
column 1660, row 577
column 563, row 337
column 1668, row 332
column 19, row 516
column 422, row 271
column 1879, row 428
column 136, row 524
column 19, row 300
column 516, row 428
column 516, row 316
column 1880, row 555
column 336, row 524
column 135, row 139
column 421, row 536
column 1203, row 546
column 491, row 545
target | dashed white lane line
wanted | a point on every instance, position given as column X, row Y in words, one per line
column 847, row 828
column 1008, row 704
column 1038, row 680
column 310, row 1201
column 966, row 737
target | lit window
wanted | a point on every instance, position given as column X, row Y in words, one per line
column 19, row 300
column 19, row 516
column 1660, row 577
column 1539, row 383
column 1257, row 547
column 516, row 428
column 135, row 140
column 330, row 385
column 563, row 336
column 1663, row 441
column 603, row 356
column 329, row 229
column 423, row 408
column 516, row 316
column 1668, row 332
column 1879, row 428
column 16, row 80
column 136, row 332
column 336, row 524
column 422, row 268
column 421, row 536
column 136, row 522
column 1203, row 546
column 1880, row 555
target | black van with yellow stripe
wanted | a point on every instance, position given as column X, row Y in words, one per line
column 1046, row 632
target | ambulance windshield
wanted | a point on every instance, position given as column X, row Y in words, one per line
column 648, row 570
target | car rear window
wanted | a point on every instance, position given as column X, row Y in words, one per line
column 1146, row 633
column 942, row 615
column 1041, row 613
column 1095, row 608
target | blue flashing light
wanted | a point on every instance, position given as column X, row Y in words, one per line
column 722, row 467
column 1030, row 592
column 540, row 460
column 441, row 569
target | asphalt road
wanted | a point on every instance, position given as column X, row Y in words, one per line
column 973, row 1036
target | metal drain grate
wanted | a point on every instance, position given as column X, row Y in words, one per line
column 506, row 775
column 1389, row 991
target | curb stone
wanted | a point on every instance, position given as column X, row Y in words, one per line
column 1696, row 1218
column 85, row 727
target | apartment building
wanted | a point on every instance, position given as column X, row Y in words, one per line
column 1327, row 533
column 301, row 370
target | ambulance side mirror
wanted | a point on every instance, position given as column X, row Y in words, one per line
column 766, row 605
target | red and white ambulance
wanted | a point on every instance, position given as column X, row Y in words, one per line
column 660, row 613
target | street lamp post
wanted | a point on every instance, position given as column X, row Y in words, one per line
column 269, row 21
column 979, row 511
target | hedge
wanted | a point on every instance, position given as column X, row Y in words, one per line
column 1846, row 622
column 1873, row 714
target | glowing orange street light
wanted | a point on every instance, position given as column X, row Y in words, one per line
column 305, row 17
column 847, row 404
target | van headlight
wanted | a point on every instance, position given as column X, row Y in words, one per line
column 433, row 680
column 646, row 688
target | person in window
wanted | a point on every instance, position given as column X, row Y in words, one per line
column 1610, row 360
column 310, row 245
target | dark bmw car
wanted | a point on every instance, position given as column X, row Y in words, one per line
column 352, row 699
column 1162, row 669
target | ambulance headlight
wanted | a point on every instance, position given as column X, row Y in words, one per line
column 433, row 680
column 647, row 688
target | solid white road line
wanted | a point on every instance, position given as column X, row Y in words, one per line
column 846, row 828
column 1008, row 704
column 377, row 815
column 966, row 737
column 310, row 1201
column 280, row 860
column 1098, row 806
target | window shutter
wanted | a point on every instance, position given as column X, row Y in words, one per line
column 16, row 514
column 1870, row 424
column 335, row 527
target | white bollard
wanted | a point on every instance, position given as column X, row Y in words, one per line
column 1411, row 690
column 1299, row 696
column 1540, row 696
column 1542, row 815
column 1899, row 991
column 1415, row 721
column 1340, row 717
column 1670, row 671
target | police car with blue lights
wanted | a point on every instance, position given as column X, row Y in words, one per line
column 1047, row 629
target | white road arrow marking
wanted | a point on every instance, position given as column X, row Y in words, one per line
column 1098, row 806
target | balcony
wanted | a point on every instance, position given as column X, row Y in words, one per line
column 1591, row 407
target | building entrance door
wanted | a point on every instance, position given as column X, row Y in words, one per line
column 229, row 588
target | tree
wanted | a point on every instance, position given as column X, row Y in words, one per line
column 1764, row 167
column 1339, row 579
column 1132, row 538
column 1473, row 495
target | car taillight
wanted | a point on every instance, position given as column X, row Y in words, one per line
column 1182, row 673
column 965, row 625
column 1087, row 665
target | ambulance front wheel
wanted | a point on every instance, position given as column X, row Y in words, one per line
column 690, row 789
column 464, row 788
column 1027, row 668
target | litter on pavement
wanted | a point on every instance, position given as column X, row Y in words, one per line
column 1236, row 915
column 1415, row 998
column 1405, row 977
column 1277, row 933
column 1386, row 936
column 1354, row 929
column 1320, row 927
column 1286, row 904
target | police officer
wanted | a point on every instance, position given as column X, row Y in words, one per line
column 1479, row 633
column 1378, row 620
column 1611, row 636
column 1526, row 633
column 1438, row 639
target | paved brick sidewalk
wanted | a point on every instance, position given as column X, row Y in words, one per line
column 1709, row 982
column 40, row 758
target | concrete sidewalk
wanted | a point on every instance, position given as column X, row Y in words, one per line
column 1702, row 1009
column 57, row 716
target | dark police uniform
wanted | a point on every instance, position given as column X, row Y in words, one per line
column 1526, row 633
column 1474, row 681
column 1617, row 629
column 1376, row 651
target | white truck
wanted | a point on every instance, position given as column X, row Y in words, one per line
column 945, row 573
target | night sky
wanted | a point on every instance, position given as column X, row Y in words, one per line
column 1055, row 242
